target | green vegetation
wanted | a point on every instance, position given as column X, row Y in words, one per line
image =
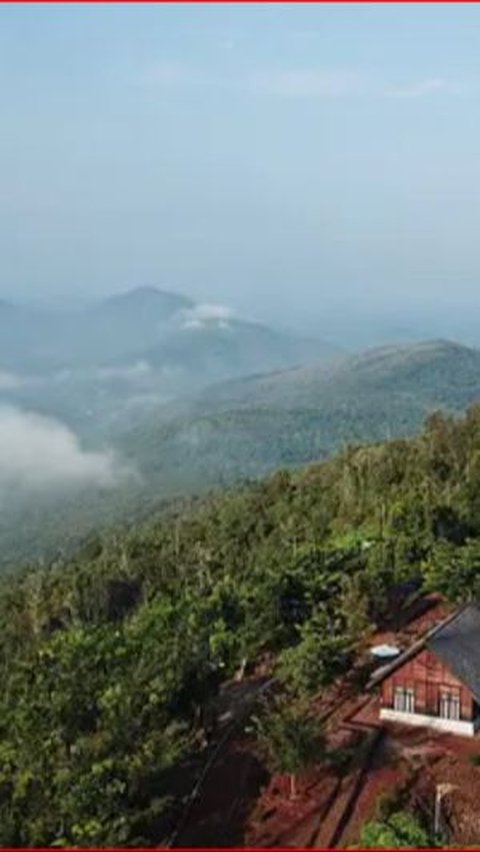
column 237, row 431
column 109, row 657
column 401, row 830
column 290, row 738
column 246, row 427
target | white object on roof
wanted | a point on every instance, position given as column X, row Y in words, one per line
column 385, row 651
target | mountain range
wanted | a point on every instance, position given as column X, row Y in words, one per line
column 99, row 367
column 250, row 425
column 242, row 428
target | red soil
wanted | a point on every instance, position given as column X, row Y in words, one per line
column 241, row 805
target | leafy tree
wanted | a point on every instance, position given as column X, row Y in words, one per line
column 354, row 607
column 323, row 651
column 291, row 739
column 454, row 571
column 400, row 830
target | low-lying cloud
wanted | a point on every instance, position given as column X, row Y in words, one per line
column 38, row 452
column 204, row 315
column 130, row 372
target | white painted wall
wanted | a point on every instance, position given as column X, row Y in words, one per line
column 454, row 726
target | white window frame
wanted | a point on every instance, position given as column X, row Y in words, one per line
column 404, row 699
column 449, row 705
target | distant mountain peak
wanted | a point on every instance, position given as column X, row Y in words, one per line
column 145, row 290
column 424, row 348
column 443, row 344
column 150, row 294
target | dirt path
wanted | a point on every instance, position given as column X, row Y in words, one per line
column 230, row 779
column 334, row 824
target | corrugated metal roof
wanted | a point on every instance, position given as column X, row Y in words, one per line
column 418, row 646
column 457, row 643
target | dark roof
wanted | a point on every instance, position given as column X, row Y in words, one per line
column 456, row 640
column 457, row 643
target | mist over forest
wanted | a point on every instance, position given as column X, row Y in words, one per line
column 112, row 408
column 239, row 425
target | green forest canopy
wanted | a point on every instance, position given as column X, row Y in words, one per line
column 107, row 658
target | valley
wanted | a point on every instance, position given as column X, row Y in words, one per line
column 229, row 431
column 239, row 426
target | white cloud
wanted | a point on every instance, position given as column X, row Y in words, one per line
column 343, row 83
column 139, row 370
column 310, row 83
column 201, row 316
column 422, row 88
column 170, row 75
column 208, row 312
column 37, row 452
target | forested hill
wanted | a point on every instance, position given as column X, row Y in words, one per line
column 108, row 658
column 431, row 371
column 295, row 416
column 246, row 428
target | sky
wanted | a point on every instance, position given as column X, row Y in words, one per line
column 276, row 158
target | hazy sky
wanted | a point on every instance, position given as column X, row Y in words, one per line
column 271, row 155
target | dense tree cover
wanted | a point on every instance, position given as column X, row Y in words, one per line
column 232, row 431
column 108, row 658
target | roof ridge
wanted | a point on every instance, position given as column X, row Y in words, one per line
column 447, row 620
column 459, row 648
column 419, row 643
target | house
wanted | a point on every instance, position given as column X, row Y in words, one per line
column 436, row 682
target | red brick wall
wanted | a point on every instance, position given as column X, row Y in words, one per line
column 426, row 675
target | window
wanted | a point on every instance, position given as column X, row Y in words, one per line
column 404, row 699
column 449, row 705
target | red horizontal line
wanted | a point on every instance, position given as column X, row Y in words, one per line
column 242, row 2
column 196, row 849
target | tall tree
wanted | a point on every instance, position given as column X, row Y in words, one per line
column 291, row 739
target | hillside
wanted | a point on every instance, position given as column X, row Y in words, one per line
column 244, row 429
column 110, row 658
column 100, row 368
column 432, row 371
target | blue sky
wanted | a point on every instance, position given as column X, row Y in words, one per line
column 276, row 158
